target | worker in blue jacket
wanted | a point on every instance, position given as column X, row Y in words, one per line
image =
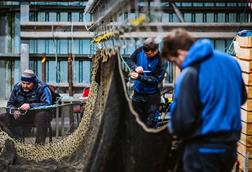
column 27, row 94
column 148, row 73
column 206, row 110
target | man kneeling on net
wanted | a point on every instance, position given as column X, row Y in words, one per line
column 27, row 94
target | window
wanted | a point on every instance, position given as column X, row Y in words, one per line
column 52, row 16
column 41, row 16
column 209, row 17
column 188, row 17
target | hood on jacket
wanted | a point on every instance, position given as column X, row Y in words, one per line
column 200, row 50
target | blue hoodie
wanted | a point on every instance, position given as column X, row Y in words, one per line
column 208, row 95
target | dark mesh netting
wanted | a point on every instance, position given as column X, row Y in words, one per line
column 110, row 137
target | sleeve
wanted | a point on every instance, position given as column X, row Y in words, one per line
column 131, row 61
column 45, row 99
column 157, row 77
column 186, row 106
column 11, row 102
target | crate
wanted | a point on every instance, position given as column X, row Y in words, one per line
column 247, row 105
column 246, row 116
column 246, row 65
column 247, row 78
column 244, row 41
column 247, row 128
column 244, row 53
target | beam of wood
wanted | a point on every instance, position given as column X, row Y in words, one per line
column 246, row 116
column 247, row 78
column 246, row 140
column 222, row 35
column 243, row 149
column 242, row 161
column 244, row 53
column 58, row 35
column 247, row 128
column 246, row 65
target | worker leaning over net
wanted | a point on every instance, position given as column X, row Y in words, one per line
column 27, row 94
column 206, row 110
column 148, row 73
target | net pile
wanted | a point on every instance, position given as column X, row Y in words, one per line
column 110, row 136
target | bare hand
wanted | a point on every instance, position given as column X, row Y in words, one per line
column 134, row 75
column 16, row 114
column 25, row 107
column 139, row 69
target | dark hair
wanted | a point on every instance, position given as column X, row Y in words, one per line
column 150, row 45
column 175, row 40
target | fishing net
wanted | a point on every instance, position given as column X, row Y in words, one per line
column 109, row 138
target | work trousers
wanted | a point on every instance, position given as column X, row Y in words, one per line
column 209, row 157
column 147, row 106
column 38, row 119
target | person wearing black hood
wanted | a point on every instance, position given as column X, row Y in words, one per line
column 29, row 93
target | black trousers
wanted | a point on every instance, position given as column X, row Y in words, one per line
column 38, row 119
column 209, row 157
column 147, row 106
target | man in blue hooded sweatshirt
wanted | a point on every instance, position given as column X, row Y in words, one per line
column 148, row 72
column 207, row 99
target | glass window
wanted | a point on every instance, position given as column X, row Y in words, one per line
column 131, row 16
column 87, row 17
column 51, row 71
column 52, row 46
column 231, row 4
column 165, row 17
column 63, row 46
column 16, row 41
column 131, row 46
column 220, row 45
column 64, row 16
column 75, row 17
column 41, row 46
column 32, row 16
column 175, row 18
column 243, row 17
column 32, row 45
column 188, row 17
column 186, row 4
column 220, row 4
column 41, row 16
column 209, row 17
column 232, row 17
column 52, row 16
column 63, row 71
column 221, row 17
column 82, row 71
column 208, row 4
column 199, row 17
column 85, row 46
column 76, row 46
column 198, row 4
column 86, row 71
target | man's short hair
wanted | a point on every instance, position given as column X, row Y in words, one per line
column 175, row 40
column 150, row 44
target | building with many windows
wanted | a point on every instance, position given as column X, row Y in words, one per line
column 57, row 30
